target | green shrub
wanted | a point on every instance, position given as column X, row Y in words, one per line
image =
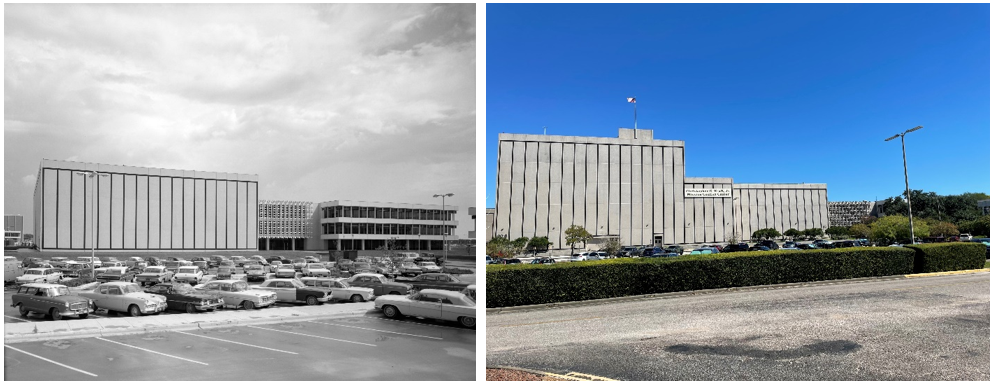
column 943, row 257
column 516, row 285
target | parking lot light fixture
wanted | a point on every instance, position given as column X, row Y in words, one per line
column 93, row 217
column 907, row 188
column 445, row 251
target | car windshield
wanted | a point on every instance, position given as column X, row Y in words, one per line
column 57, row 291
column 239, row 286
column 254, row 267
column 131, row 288
column 153, row 270
column 362, row 265
column 34, row 272
column 297, row 283
column 187, row 270
column 315, row 266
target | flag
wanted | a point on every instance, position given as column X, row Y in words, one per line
column 631, row 100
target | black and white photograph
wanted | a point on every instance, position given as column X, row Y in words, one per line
column 240, row 192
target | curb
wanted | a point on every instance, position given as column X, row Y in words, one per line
column 536, row 373
column 89, row 328
column 668, row 295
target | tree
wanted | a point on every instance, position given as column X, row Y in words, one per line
column 519, row 245
column 576, row 234
column 792, row 233
column 813, row 232
column 612, row 246
column 860, row 230
column 941, row 228
column 836, row 231
column 765, row 233
column 499, row 246
column 537, row 244
column 891, row 229
column 980, row 226
column 28, row 238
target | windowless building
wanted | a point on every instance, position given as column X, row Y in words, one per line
column 634, row 187
column 138, row 208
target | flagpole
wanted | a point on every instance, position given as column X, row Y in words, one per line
column 635, row 104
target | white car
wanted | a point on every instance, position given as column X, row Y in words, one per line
column 315, row 270
column 340, row 288
column 191, row 274
column 430, row 303
column 429, row 267
column 585, row 256
column 236, row 293
column 39, row 275
column 88, row 260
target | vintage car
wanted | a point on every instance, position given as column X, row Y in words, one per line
column 295, row 291
column 361, row 267
column 340, row 289
column 40, row 275
column 239, row 261
column 135, row 262
column 315, row 269
column 409, row 269
column 299, row 264
column 286, row 271
column 216, row 260
column 429, row 267
column 175, row 264
column 125, row 297
column 181, row 296
column 388, row 270
column 379, row 284
column 312, row 259
column 89, row 260
column 225, row 273
column 255, row 272
column 59, row 261
column 53, row 300
column 258, row 259
column 108, row 259
column 274, row 266
column 236, row 293
column 430, row 303
column 202, row 264
column 156, row 274
column 470, row 291
column 189, row 274
column 435, row 280
column 74, row 269
column 116, row 274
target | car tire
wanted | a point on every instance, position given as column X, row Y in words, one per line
column 394, row 293
column 133, row 310
column 83, row 316
column 356, row 298
column 248, row 305
column 468, row 321
column 391, row 312
column 190, row 308
column 22, row 310
column 312, row 300
column 54, row 313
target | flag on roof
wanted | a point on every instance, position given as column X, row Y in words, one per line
column 631, row 100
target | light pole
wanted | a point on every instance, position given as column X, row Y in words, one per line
column 93, row 218
column 445, row 251
column 907, row 189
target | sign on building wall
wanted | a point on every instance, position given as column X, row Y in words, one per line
column 708, row 193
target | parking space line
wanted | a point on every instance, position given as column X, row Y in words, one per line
column 313, row 336
column 420, row 324
column 51, row 361
column 231, row 341
column 154, row 352
column 16, row 318
column 371, row 329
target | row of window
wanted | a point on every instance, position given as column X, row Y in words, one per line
column 385, row 229
column 396, row 213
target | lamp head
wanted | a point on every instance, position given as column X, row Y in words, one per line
column 913, row 129
column 895, row 136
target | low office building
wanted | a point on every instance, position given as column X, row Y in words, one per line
column 362, row 225
column 848, row 213
column 633, row 187
column 140, row 208
column 13, row 229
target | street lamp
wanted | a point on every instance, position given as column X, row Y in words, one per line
column 907, row 189
column 445, row 251
column 93, row 217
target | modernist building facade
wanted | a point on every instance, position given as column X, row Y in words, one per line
column 140, row 208
column 634, row 187
column 364, row 225
column 285, row 225
column 13, row 229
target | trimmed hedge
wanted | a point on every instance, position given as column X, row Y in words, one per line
column 942, row 257
column 517, row 285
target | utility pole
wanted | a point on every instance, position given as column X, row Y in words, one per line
column 907, row 188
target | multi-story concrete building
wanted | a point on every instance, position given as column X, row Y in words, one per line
column 139, row 208
column 362, row 225
column 13, row 229
column 634, row 187
column 847, row 213
column 490, row 223
column 285, row 225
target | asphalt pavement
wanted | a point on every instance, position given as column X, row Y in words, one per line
column 920, row 328
column 360, row 348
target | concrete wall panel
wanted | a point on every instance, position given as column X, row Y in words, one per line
column 517, row 190
column 542, row 194
column 154, row 212
column 130, row 211
column 664, row 155
column 555, row 193
column 679, row 221
column 103, row 212
column 142, row 211
column 503, row 199
column 241, row 202
column 177, row 213
column 625, row 196
column 222, row 216
column 592, row 213
column 531, row 190
column 199, row 200
column 80, row 221
column 573, row 190
column 252, row 239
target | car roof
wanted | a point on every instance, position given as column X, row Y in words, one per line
column 42, row 285
column 441, row 292
column 224, row 281
column 369, row 274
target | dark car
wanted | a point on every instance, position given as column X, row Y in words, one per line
column 845, row 244
column 675, row 249
column 649, row 252
column 807, row 246
column 53, row 300
column 507, row 261
column 224, row 273
column 544, row 260
column 629, row 252
column 295, row 291
column 255, row 272
column 772, row 245
column 790, row 244
column 181, row 296
column 442, row 281
column 759, row 248
column 740, row 247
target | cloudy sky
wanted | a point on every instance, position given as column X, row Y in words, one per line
column 322, row 102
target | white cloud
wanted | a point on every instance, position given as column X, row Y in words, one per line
column 304, row 96
column 29, row 180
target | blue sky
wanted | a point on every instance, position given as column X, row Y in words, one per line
column 762, row 93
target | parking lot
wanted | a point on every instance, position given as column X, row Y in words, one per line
column 368, row 347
